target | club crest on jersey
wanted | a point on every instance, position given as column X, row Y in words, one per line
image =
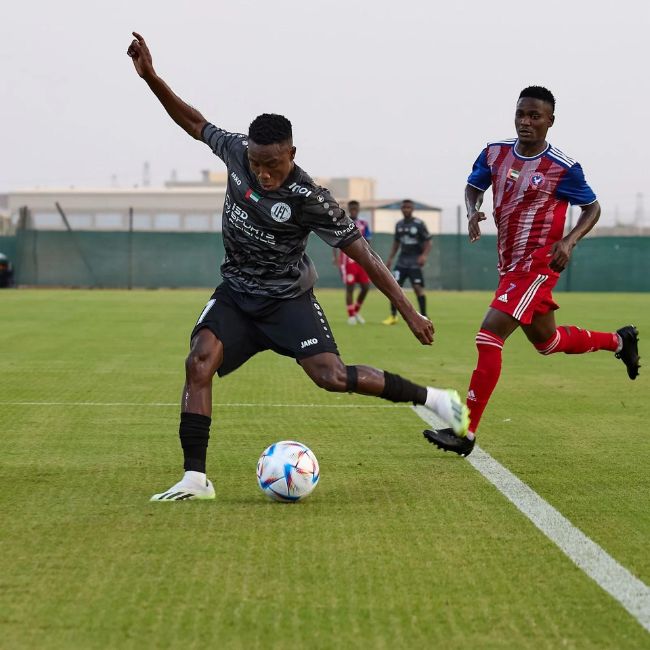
column 513, row 174
column 281, row 212
column 537, row 179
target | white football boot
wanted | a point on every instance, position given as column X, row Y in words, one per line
column 448, row 405
column 360, row 319
column 352, row 320
column 192, row 487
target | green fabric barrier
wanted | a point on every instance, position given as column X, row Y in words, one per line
column 151, row 260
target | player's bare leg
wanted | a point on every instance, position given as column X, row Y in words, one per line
column 327, row 371
column 550, row 339
column 201, row 365
column 363, row 292
column 393, row 318
column 203, row 361
column 349, row 304
column 496, row 327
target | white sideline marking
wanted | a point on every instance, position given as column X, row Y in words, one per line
column 601, row 567
column 251, row 404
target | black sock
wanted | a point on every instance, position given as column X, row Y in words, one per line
column 422, row 301
column 194, row 432
column 393, row 310
column 398, row 389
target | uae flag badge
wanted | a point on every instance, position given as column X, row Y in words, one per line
column 513, row 174
column 251, row 196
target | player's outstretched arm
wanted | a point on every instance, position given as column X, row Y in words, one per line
column 473, row 202
column 188, row 118
column 561, row 250
column 382, row 278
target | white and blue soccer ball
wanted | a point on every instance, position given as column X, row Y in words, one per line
column 287, row 471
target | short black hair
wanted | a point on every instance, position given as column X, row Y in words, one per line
column 353, row 202
column 407, row 201
column 270, row 128
column 539, row 92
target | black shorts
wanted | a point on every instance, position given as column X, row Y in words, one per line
column 248, row 324
column 412, row 273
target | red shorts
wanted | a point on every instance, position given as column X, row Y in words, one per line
column 524, row 295
column 354, row 273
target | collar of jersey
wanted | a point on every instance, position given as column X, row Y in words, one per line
column 518, row 155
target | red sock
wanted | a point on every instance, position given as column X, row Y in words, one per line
column 485, row 377
column 357, row 307
column 351, row 311
column 573, row 340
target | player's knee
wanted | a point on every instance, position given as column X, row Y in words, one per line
column 201, row 363
column 197, row 367
column 548, row 346
column 332, row 378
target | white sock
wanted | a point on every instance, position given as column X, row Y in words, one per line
column 471, row 435
column 196, row 477
column 434, row 395
column 620, row 343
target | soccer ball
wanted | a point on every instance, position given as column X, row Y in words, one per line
column 287, row 471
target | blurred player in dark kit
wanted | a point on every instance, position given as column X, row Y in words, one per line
column 413, row 241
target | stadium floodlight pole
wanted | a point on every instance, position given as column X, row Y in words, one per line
column 76, row 243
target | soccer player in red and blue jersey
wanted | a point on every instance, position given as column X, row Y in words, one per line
column 532, row 184
column 352, row 272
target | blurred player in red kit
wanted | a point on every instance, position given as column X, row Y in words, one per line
column 352, row 272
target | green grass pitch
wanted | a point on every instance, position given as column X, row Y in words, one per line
column 400, row 546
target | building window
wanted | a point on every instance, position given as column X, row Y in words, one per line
column 197, row 222
column 167, row 221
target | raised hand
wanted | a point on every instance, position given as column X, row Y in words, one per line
column 141, row 57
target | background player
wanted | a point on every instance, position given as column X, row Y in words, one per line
column 352, row 272
column 413, row 241
column 532, row 185
column 266, row 299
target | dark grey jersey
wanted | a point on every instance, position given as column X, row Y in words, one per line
column 265, row 233
column 411, row 235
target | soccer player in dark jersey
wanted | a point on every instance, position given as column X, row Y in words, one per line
column 266, row 299
column 413, row 241
column 352, row 272
column 532, row 185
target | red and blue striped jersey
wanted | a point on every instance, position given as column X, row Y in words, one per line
column 531, row 196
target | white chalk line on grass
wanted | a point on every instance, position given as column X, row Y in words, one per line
column 216, row 406
column 615, row 579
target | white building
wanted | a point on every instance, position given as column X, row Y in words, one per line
column 180, row 206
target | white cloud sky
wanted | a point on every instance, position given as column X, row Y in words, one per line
column 406, row 92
